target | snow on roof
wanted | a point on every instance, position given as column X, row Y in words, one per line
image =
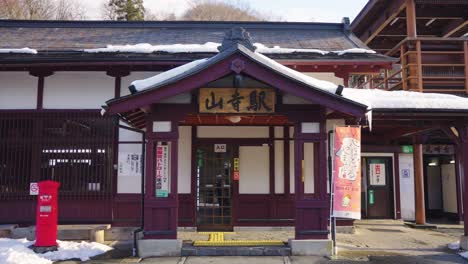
column 22, row 50
column 161, row 78
column 158, row 79
column 212, row 47
column 380, row 99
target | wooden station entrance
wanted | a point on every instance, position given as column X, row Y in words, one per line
column 239, row 120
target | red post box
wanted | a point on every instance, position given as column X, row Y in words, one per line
column 46, row 215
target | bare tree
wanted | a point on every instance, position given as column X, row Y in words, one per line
column 159, row 16
column 42, row 9
column 223, row 10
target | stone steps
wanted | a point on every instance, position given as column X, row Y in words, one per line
column 189, row 250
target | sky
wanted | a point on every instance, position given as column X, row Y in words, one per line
column 288, row 10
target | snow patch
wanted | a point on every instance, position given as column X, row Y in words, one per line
column 464, row 254
column 278, row 50
column 355, row 51
column 16, row 251
column 148, row 48
column 454, row 245
column 22, row 50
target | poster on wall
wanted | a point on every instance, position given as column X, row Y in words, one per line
column 130, row 164
column 347, row 173
column 162, row 170
column 377, row 174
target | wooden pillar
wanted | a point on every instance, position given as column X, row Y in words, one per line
column 411, row 19
column 419, row 185
column 413, row 56
column 463, row 132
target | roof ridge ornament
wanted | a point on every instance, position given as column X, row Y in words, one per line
column 234, row 36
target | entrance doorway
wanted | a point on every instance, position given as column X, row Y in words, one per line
column 379, row 188
column 214, row 187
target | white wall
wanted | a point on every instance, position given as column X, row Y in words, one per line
column 78, row 90
column 254, row 170
column 232, row 132
column 326, row 76
column 449, row 188
column 184, row 168
column 406, row 167
column 18, row 90
column 279, row 166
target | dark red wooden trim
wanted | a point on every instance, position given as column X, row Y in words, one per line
column 271, row 154
column 396, row 176
column 40, row 92
column 458, row 181
column 287, row 159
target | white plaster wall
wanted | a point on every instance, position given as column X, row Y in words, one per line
column 309, row 185
column 127, row 80
column 232, row 132
column 254, row 170
column 184, row 167
column 405, row 162
column 279, row 166
column 449, row 188
column 326, row 76
column 18, row 90
column 78, row 90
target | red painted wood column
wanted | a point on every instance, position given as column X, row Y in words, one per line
column 419, row 185
column 463, row 132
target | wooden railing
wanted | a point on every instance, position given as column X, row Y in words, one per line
column 425, row 65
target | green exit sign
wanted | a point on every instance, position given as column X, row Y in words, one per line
column 407, row 149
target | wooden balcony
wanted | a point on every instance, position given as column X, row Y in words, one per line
column 425, row 65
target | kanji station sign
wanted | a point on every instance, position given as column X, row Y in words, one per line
column 237, row 100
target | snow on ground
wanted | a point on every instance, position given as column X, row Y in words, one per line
column 23, row 50
column 454, row 245
column 212, row 47
column 464, row 254
column 16, row 251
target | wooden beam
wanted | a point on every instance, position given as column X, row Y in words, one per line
column 383, row 21
column 453, row 27
column 419, row 185
column 419, row 66
column 411, row 19
column 465, row 49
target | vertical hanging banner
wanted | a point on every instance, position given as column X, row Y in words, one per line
column 162, row 170
column 347, row 173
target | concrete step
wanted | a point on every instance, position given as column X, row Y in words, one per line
column 189, row 250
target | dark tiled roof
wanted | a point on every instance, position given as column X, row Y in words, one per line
column 73, row 35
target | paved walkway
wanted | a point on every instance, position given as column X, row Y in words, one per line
column 375, row 241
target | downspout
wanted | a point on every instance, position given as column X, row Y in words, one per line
column 142, row 213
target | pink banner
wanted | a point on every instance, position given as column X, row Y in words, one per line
column 347, row 173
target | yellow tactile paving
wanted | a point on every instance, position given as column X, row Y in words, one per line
column 217, row 239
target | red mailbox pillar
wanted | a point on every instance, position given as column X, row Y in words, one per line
column 46, row 216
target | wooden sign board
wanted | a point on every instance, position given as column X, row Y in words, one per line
column 236, row 100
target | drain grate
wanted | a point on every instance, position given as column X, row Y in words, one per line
column 216, row 239
column 385, row 230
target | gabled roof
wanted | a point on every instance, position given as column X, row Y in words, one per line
column 237, row 56
column 60, row 40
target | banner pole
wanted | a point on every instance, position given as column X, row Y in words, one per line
column 330, row 173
